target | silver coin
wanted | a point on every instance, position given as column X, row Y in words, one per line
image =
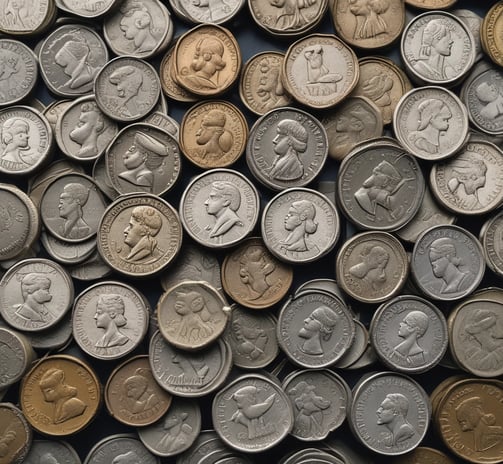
column 127, row 89
column 380, row 186
column 219, row 208
column 93, row 268
column 372, row 266
column 176, row 431
column 27, row 140
column 431, row 122
column 87, row 8
column 16, row 355
column 51, row 452
column 490, row 234
column 143, row 158
column 54, row 111
column 324, row 284
column 70, row 58
column 315, row 329
column 56, row 337
column 447, row 262
column 287, row 147
column 390, row 413
column 212, row 12
column 357, row 348
column 35, row 294
column 67, row 253
column 320, row 401
column 207, row 443
column 19, row 73
column 473, row 22
column 120, row 448
column 164, row 122
column 100, row 177
column 260, row 410
column 409, row 334
column 300, row 225
column 110, row 319
column 22, row 20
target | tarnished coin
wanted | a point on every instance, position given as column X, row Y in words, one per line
column 260, row 410
column 287, row 147
column 253, row 277
column 16, row 354
column 127, row 89
column 139, row 235
column 287, row 19
column 35, row 294
column 431, row 122
column 357, row 119
column 252, row 338
column 70, row 58
column 71, row 207
column 437, row 48
column 469, row 420
column 132, row 395
column 207, row 60
column 447, row 262
column 143, row 158
column 260, row 87
column 139, row 29
column 409, row 334
column 320, row 400
column 490, row 238
column 189, row 374
column 175, row 431
column 383, row 82
column 227, row 196
column 20, row 222
column 109, row 320
column 490, row 33
column 380, row 186
column 19, row 73
column 51, row 452
column 82, row 131
column 118, row 449
column 16, row 435
column 424, row 455
column 211, row 12
column 476, row 336
column 372, row 267
column 315, row 329
column 27, row 140
column 213, row 134
column 300, row 225
column 368, row 25
column 87, row 9
column 320, row 70
column 192, row 315
column 390, row 413
column 60, row 395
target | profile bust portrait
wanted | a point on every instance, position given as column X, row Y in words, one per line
column 137, row 26
column 91, row 125
column 300, row 224
column 318, row 326
column 223, row 202
column 392, row 413
column 139, row 235
column 35, row 291
column 72, row 200
column 371, row 268
column 110, row 316
column 212, row 135
column 413, row 327
column 206, row 64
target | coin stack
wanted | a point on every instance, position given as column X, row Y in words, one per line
column 276, row 236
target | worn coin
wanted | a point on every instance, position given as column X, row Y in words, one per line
column 490, row 234
column 164, row 122
column 51, row 452
column 87, row 9
column 16, row 354
column 16, row 435
column 67, row 252
column 474, row 23
column 93, row 268
column 121, row 448
column 425, row 455
column 211, row 12
column 20, row 20
column 53, row 111
column 357, row 349
column 490, row 33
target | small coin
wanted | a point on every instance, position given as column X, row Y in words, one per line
column 52, row 452
column 16, row 435
column 86, row 9
column 16, row 354
column 60, row 395
column 490, row 33
column 65, row 252
column 214, row 13
column 489, row 238
column 120, row 448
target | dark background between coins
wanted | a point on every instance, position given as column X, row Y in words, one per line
column 253, row 40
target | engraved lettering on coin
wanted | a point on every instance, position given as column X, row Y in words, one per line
column 110, row 316
column 371, row 269
column 251, row 407
column 178, row 432
column 223, row 202
column 491, row 98
column 196, row 322
column 71, row 201
column 16, row 152
column 128, row 80
column 392, row 414
column 299, row 223
column 411, row 329
column 35, row 291
column 215, row 140
column 137, row 26
column 368, row 20
column 290, row 14
column 318, row 326
column 137, row 395
column 320, row 80
column 474, row 419
column 64, row 396
column 290, row 142
column 203, row 72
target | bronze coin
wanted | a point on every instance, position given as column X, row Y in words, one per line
column 491, row 32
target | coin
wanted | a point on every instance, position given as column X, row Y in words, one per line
column 425, row 455
column 490, row 233
column 120, row 447
column 28, row 21
column 93, row 268
column 87, row 9
column 139, row 235
column 16, row 435
column 490, row 32
column 60, row 395
column 164, row 122
column 51, row 451
column 53, row 111
column 16, row 354
column 214, row 13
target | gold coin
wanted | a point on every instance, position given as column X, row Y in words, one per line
column 213, row 134
column 491, row 33
column 60, row 395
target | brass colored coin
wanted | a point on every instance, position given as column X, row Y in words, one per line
column 424, row 455
column 201, row 76
column 213, row 134
column 470, row 420
column 16, row 435
column 431, row 4
column 133, row 396
column 60, row 395
column 253, row 277
column 440, row 390
column 491, row 33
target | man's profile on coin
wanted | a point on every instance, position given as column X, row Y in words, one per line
column 35, row 290
column 90, row 126
column 138, row 397
column 206, row 65
column 223, row 202
column 128, row 81
column 110, row 316
column 392, row 413
column 137, row 24
column 212, row 135
column 318, row 326
column 71, row 201
column 414, row 326
column 139, row 235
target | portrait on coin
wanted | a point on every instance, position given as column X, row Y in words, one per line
column 137, row 395
column 35, row 291
column 369, row 22
column 137, row 26
column 413, row 327
column 6, row 442
column 371, row 267
column 128, row 81
column 178, row 432
column 109, row 316
column 9, row 69
column 140, row 235
column 92, row 123
column 17, row 13
column 204, row 71
column 196, row 322
column 320, row 81
column 318, row 327
column 255, row 266
column 300, row 223
column 16, row 152
column 270, row 89
column 223, row 202
column 491, row 97
column 131, row 457
column 213, row 137
column 290, row 15
column 467, row 178
column 392, row 413
column 64, row 397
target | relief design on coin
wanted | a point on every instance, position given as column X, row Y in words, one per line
column 16, row 435
column 35, row 294
column 86, row 8
column 492, row 242
column 431, row 122
column 212, row 12
column 143, row 158
column 447, row 262
column 320, row 70
column 315, row 329
column 139, row 235
column 300, row 225
column 52, row 452
column 20, row 18
column 372, row 266
column 219, row 208
column 120, row 449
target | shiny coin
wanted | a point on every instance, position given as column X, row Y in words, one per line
column 23, row 21
column 214, row 13
column 118, row 449
column 16, row 435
